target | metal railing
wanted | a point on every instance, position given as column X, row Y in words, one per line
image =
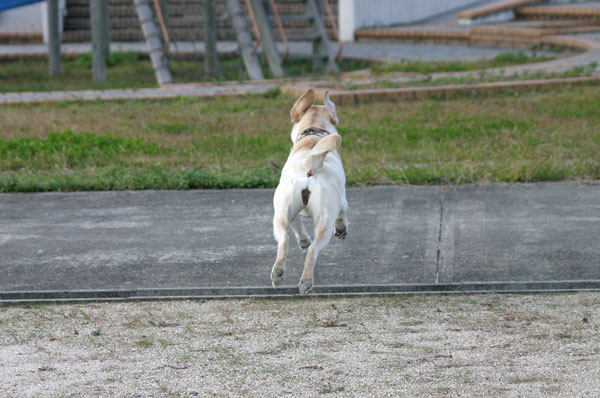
column 281, row 30
column 254, row 26
column 163, row 27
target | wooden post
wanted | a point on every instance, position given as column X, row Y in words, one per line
column 244, row 40
column 98, row 18
column 211, row 56
column 318, row 46
column 54, row 67
column 146, row 18
column 105, row 24
column 268, row 42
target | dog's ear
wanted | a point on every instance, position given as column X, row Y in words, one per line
column 302, row 104
column 330, row 108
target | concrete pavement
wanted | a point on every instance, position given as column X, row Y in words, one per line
column 164, row 244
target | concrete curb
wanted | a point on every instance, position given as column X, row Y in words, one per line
column 82, row 296
column 496, row 36
column 177, row 91
column 562, row 12
column 411, row 93
column 239, row 90
column 493, row 9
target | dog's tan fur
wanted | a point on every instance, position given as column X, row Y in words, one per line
column 312, row 183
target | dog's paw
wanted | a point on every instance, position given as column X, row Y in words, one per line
column 341, row 233
column 305, row 286
column 277, row 276
column 304, row 242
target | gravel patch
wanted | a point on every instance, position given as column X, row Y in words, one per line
column 541, row 345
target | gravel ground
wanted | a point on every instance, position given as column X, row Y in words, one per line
column 540, row 345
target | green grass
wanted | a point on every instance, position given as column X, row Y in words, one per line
column 68, row 151
column 428, row 67
column 544, row 135
column 127, row 70
column 131, row 70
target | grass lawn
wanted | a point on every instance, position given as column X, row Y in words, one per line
column 133, row 70
column 243, row 142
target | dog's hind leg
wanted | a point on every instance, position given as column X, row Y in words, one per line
column 280, row 221
column 301, row 236
column 322, row 237
column 341, row 225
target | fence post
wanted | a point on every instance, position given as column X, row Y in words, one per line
column 211, row 55
column 54, row 67
column 105, row 28
column 99, row 17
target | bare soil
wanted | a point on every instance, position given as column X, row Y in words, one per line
column 544, row 345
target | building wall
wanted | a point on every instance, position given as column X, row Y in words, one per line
column 26, row 15
column 355, row 14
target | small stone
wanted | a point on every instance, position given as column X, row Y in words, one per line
column 96, row 333
column 585, row 319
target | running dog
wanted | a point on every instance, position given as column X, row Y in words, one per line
column 312, row 184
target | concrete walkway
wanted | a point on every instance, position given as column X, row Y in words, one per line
column 156, row 244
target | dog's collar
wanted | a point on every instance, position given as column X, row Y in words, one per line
column 313, row 131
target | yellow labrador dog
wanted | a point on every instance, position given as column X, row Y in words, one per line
column 312, row 184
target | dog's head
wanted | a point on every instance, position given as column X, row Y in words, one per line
column 305, row 115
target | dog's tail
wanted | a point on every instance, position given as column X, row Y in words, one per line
column 314, row 164
column 316, row 156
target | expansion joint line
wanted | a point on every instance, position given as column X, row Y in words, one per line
column 439, row 242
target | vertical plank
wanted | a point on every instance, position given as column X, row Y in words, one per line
column 268, row 42
column 211, row 56
column 244, row 40
column 105, row 23
column 322, row 46
column 159, row 63
column 318, row 46
column 97, row 11
column 54, row 65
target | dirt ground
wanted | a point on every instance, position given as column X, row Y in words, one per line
column 543, row 345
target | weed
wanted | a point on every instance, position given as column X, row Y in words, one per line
column 328, row 322
column 84, row 315
column 144, row 342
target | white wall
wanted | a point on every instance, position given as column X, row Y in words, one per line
column 33, row 15
column 27, row 15
column 355, row 14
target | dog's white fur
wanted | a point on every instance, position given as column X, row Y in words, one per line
column 313, row 184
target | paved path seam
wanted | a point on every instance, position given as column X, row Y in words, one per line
column 79, row 296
